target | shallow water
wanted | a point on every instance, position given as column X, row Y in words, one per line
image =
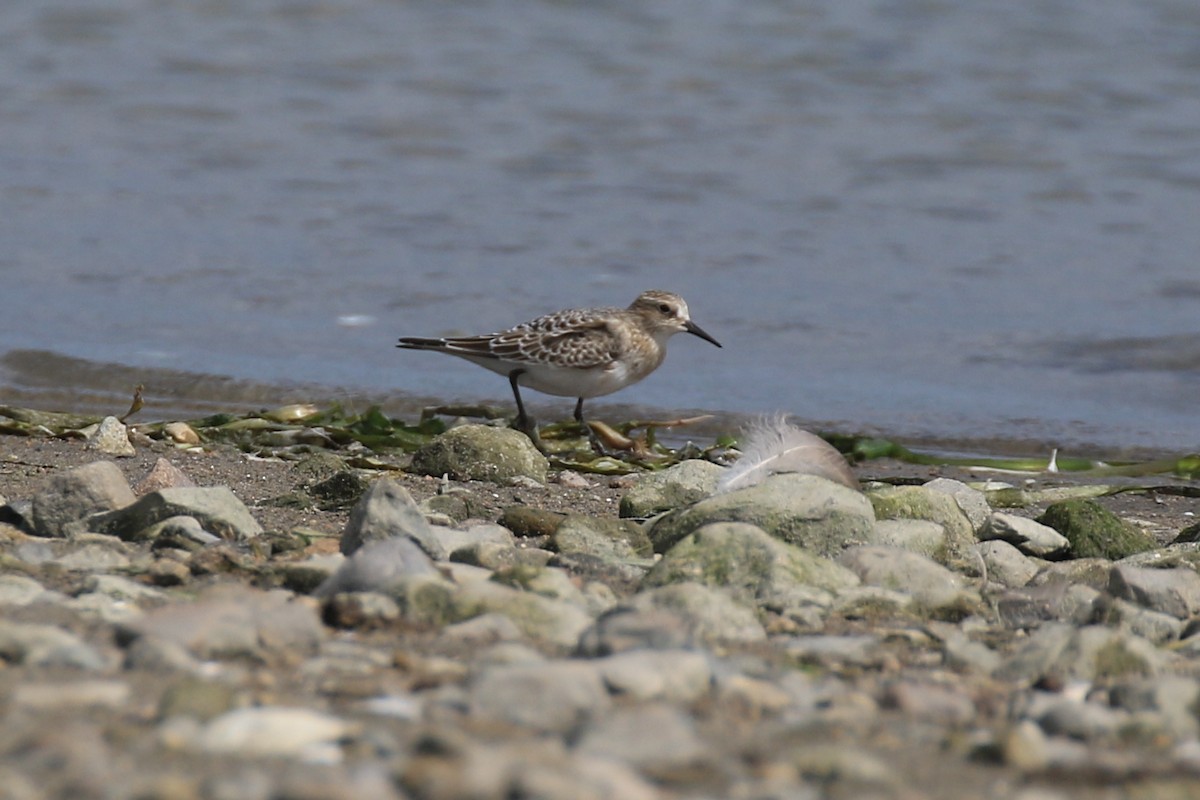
column 934, row 219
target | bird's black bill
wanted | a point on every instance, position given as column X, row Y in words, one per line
column 696, row 330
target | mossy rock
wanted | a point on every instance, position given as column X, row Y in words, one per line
column 481, row 453
column 1094, row 531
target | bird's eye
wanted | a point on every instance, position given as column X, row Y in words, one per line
column 664, row 308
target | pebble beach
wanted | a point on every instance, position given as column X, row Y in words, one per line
column 188, row 621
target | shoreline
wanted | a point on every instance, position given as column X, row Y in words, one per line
column 51, row 381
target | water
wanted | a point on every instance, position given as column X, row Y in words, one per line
column 956, row 220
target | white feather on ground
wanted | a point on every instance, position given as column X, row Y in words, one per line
column 771, row 446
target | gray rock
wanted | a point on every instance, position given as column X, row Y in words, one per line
column 360, row 610
column 481, row 453
column 276, row 732
column 163, row 475
column 436, row 602
column 303, row 577
column 919, row 502
column 111, row 438
column 624, row 628
column 1006, row 565
column 216, row 508
column 489, row 555
column 232, row 622
column 74, row 494
column 917, row 535
column 682, row 485
column 74, row 696
column 19, row 590
column 1168, row 591
column 1154, row 626
column 816, row 514
column 1032, row 605
column 92, row 558
column 486, row 628
column 1093, row 572
column 972, row 502
column 1030, row 537
column 657, row 739
column 603, row 537
column 710, row 615
column 46, row 646
column 388, row 511
column 941, row 704
column 183, row 533
column 837, row 651
column 1061, row 652
column 453, row 539
column 1173, row 697
column 1081, row 720
column 377, row 567
column 677, row 676
column 752, row 565
column 551, row 697
column 931, row 585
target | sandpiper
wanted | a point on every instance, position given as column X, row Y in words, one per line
column 577, row 352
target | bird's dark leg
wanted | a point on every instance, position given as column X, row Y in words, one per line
column 525, row 424
column 597, row 446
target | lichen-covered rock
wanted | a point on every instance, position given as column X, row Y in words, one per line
column 681, row 485
column 71, row 495
column 934, row 587
column 755, row 567
column 1094, row 531
column 919, row 502
column 599, row 536
column 972, row 502
column 709, row 615
column 481, row 453
column 817, row 514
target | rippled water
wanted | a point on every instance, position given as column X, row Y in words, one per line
column 930, row 218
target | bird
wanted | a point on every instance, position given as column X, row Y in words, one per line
column 576, row 352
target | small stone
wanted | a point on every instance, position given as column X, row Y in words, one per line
column 377, row 567
column 920, row 502
column 388, row 511
column 1006, row 564
column 599, row 536
column 932, row 586
column 938, row 704
column 681, row 485
column 972, row 502
column 340, row 490
column 46, row 646
column 482, row 453
column 550, row 697
column 232, row 622
column 1025, row 747
column 216, row 508
column 678, row 676
column 1168, row 591
column 655, row 738
column 111, row 438
column 197, row 698
column 168, row 572
column 711, row 616
column 74, row 494
column 47, row 697
column 19, row 590
column 360, row 610
column 180, row 433
column 163, row 475
column 916, row 535
column 278, row 732
column 1028, row 536
column 525, row 521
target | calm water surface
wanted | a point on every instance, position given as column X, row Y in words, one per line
column 930, row 218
